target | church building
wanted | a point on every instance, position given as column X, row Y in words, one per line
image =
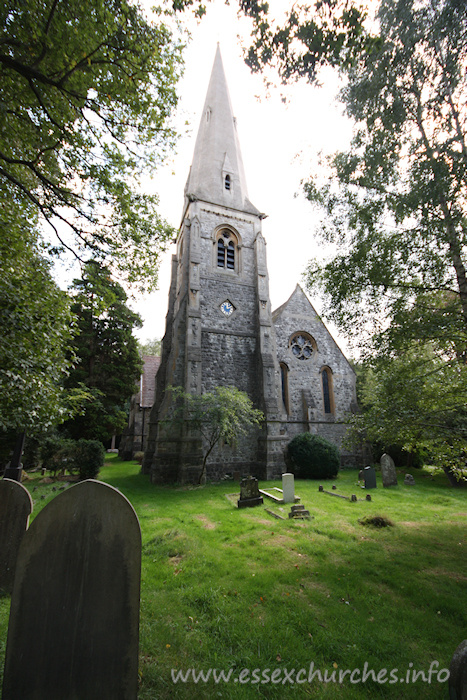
column 221, row 330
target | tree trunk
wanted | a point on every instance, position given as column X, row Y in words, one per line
column 453, row 480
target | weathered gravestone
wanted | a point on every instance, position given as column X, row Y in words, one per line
column 369, row 476
column 15, row 509
column 73, row 631
column 14, row 468
column 388, row 471
column 409, row 480
column 458, row 673
column 249, row 493
column 299, row 512
column 288, row 488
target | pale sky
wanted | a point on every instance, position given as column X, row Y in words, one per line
column 280, row 144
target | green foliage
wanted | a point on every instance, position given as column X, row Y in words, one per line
column 394, row 204
column 395, row 210
column 416, row 401
column 88, row 458
column 57, row 454
column 83, row 457
column 151, row 347
column 35, row 327
column 329, row 33
column 312, row 457
column 86, row 91
column 107, row 363
column 222, row 414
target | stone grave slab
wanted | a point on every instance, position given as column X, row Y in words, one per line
column 388, row 471
column 409, row 480
column 15, row 509
column 249, row 493
column 74, row 617
column 272, row 496
column 369, row 476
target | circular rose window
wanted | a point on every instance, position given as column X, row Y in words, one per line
column 302, row 346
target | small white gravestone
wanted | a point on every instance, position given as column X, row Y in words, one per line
column 288, row 489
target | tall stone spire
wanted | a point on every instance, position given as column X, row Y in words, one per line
column 217, row 175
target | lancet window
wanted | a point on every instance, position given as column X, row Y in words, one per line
column 328, row 393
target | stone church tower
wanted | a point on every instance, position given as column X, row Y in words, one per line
column 220, row 329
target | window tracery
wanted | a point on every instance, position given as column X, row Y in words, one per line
column 227, row 250
column 302, row 345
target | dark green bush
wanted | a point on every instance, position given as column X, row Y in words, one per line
column 57, row 454
column 83, row 457
column 312, row 457
column 88, row 458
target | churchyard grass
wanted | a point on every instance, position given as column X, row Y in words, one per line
column 224, row 588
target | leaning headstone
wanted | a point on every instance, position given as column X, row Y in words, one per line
column 288, row 488
column 388, row 471
column 458, row 673
column 360, row 475
column 409, row 480
column 73, row 630
column 15, row 509
column 369, row 477
column 249, row 493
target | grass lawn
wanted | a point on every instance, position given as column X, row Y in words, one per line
column 225, row 588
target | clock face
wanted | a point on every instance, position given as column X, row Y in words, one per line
column 227, row 308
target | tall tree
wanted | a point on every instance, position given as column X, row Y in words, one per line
column 152, row 347
column 107, row 363
column 310, row 36
column 86, row 89
column 395, row 204
column 35, row 324
column 395, row 208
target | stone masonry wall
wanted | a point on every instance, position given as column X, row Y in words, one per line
column 305, row 389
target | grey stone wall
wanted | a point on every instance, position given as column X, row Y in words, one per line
column 203, row 348
column 305, row 388
column 206, row 348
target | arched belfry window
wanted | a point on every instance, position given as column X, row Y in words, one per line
column 227, row 183
column 227, row 250
column 285, row 385
column 328, row 391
